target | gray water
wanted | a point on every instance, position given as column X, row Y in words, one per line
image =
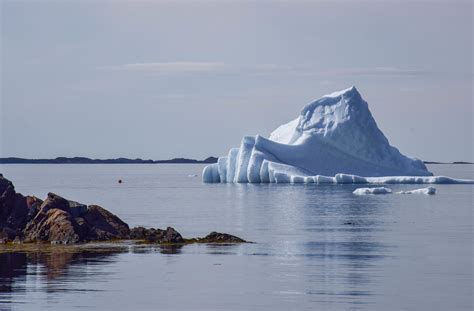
column 317, row 247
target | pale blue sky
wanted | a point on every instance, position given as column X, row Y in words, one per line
column 166, row 79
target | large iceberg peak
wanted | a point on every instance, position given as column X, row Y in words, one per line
column 349, row 92
column 326, row 116
column 326, row 113
column 333, row 134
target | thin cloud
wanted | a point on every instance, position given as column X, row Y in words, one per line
column 190, row 68
column 175, row 67
column 380, row 72
column 185, row 67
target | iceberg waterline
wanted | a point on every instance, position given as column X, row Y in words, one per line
column 334, row 140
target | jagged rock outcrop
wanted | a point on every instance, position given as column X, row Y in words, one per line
column 60, row 221
column 55, row 219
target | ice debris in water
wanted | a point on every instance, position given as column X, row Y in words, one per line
column 385, row 190
column 428, row 190
column 376, row 190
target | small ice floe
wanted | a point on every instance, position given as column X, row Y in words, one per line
column 427, row 190
column 192, row 175
column 375, row 190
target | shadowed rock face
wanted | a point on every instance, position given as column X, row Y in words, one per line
column 13, row 211
column 103, row 225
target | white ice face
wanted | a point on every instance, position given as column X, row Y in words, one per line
column 332, row 135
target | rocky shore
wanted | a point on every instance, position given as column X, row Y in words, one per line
column 56, row 220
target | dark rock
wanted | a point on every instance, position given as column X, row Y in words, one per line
column 7, row 234
column 34, row 205
column 151, row 234
column 54, row 201
column 13, row 209
column 77, row 209
column 104, row 225
column 170, row 235
column 56, row 226
column 75, row 223
column 138, row 233
column 216, row 237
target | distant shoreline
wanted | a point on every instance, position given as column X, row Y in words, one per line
column 85, row 160
column 455, row 162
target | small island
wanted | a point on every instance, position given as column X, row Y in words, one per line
column 85, row 160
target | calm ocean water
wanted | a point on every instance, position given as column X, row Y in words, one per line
column 317, row 247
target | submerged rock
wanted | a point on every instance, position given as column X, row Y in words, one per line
column 170, row 235
column 216, row 237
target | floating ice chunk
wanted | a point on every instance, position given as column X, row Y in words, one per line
column 427, row 190
column 376, row 190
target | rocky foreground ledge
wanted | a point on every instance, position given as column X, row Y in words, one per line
column 56, row 220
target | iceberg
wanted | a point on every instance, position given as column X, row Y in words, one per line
column 335, row 139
